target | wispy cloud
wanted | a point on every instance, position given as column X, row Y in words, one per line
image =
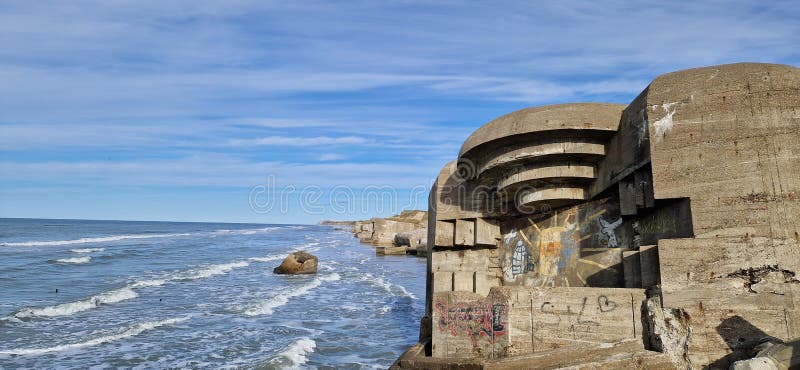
column 203, row 93
column 298, row 141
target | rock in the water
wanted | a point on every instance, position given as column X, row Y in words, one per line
column 298, row 263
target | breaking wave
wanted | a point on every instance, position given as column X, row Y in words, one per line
column 394, row 289
column 76, row 260
column 130, row 331
column 243, row 231
column 298, row 351
column 71, row 308
column 281, row 298
column 90, row 240
column 128, row 292
column 210, row 271
column 113, row 238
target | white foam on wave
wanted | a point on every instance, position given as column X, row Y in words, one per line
column 104, row 239
column 87, row 250
column 114, row 238
column 130, row 331
column 211, row 270
column 148, row 283
column 71, row 308
column 298, row 351
column 77, row 260
column 125, row 293
column 281, row 298
column 242, row 231
column 128, row 292
column 389, row 287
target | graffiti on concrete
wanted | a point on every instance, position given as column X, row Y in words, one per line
column 521, row 260
column 608, row 230
column 548, row 252
column 473, row 319
column 602, row 305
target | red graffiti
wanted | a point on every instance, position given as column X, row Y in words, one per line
column 472, row 319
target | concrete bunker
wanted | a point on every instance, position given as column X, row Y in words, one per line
column 626, row 232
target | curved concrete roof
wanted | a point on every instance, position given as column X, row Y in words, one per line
column 581, row 116
column 579, row 172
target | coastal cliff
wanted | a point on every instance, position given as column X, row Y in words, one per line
column 404, row 233
column 382, row 231
column 340, row 225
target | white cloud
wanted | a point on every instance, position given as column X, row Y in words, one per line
column 198, row 92
column 299, row 141
column 219, row 170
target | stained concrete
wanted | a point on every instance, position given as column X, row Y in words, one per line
column 661, row 234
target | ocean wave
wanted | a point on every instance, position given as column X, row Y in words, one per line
column 104, row 239
column 114, row 238
column 128, row 332
column 125, row 293
column 71, row 308
column 298, row 351
column 267, row 258
column 148, row 283
column 212, row 270
column 281, row 298
column 390, row 288
column 87, row 250
column 78, row 260
column 128, row 292
column 243, row 231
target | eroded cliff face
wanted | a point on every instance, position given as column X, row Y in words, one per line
column 672, row 222
column 383, row 231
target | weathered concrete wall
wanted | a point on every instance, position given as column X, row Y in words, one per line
column 512, row 321
column 691, row 192
column 726, row 137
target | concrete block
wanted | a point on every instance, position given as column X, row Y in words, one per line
column 466, row 325
column 465, row 260
column 442, row 282
column 444, row 234
column 487, row 232
column 390, row 250
column 465, row 232
column 633, row 270
column 648, row 261
column 463, row 281
column 585, row 314
column 728, row 272
column 484, row 281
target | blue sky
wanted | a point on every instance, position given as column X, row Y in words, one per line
column 189, row 110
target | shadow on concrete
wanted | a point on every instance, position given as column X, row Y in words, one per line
column 741, row 337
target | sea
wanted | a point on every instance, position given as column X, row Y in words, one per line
column 77, row 294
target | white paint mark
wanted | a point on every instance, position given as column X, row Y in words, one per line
column 510, row 236
column 665, row 124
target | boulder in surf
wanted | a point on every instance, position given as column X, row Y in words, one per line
column 298, row 263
